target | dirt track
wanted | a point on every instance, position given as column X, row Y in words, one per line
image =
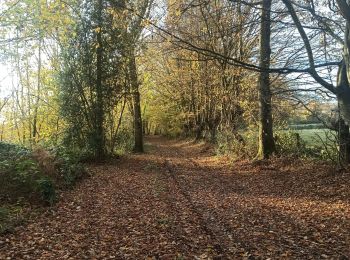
column 178, row 202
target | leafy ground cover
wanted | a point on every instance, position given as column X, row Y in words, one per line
column 30, row 179
column 178, row 201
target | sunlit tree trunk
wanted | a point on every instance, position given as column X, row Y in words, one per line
column 266, row 140
column 343, row 82
column 343, row 86
column 344, row 142
column 343, row 92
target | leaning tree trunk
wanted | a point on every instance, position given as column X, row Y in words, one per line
column 266, row 140
column 138, row 132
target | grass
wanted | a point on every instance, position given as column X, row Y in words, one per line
column 312, row 136
column 306, row 126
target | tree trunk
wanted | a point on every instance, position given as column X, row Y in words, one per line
column 343, row 95
column 343, row 86
column 266, row 140
column 344, row 142
column 99, row 131
column 36, row 108
column 213, row 131
column 343, row 91
column 138, row 132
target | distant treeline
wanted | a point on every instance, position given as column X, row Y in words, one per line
column 306, row 126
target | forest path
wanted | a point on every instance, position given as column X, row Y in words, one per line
column 177, row 201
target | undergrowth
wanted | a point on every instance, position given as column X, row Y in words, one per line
column 236, row 145
column 10, row 217
column 288, row 144
column 33, row 177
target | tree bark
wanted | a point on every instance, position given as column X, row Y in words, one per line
column 99, row 130
column 36, row 108
column 266, row 140
column 344, row 142
column 138, row 132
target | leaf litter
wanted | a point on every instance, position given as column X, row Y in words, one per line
column 178, row 202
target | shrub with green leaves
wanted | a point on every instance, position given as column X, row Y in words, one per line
column 69, row 165
column 316, row 146
column 46, row 188
column 8, row 150
column 237, row 145
column 328, row 148
column 10, row 217
column 18, row 172
column 35, row 175
column 290, row 144
column 124, row 141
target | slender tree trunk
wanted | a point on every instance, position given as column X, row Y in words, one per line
column 266, row 140
column 38, row 90
column 2, row 131
column 213, row 131
column 29, row 103
column 138, row 132
column 99, row 131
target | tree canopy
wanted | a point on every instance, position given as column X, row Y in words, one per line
column 84, row 73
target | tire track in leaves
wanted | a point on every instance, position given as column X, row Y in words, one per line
column 188, row 228
column 254, row 225
column 220, row 234
column 230, row 242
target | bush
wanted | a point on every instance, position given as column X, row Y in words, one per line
column 47, row 190
column 326, row 148
column 18, row 177
column 290, row 144
column 35, row 175
column 237, row 145
column 12, row 151
column 10, row 217
column 68, row 164
column 124, row 141
column 4, row 212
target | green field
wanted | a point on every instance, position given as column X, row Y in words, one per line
column 315, row 137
